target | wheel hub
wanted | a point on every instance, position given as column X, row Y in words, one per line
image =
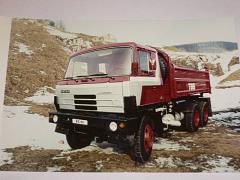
column 148, row 137
column 196, row 118
column 205, row 114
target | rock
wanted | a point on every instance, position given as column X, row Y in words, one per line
column 61, row 142
column 109, row 38
column 26, row 91
column 215, row 69
column 219, row 71
column 234, row 61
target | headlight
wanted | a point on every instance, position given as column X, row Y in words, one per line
column 55, row 118
column 113, row 126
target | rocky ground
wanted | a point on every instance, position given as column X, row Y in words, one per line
column 214, row 148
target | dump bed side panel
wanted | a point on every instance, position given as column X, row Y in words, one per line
column 187, row 82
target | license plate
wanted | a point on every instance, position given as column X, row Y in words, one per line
column 80, row 121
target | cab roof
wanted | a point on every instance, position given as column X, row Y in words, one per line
column 121, row 44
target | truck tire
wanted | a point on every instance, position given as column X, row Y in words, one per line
column 77, row 140
column 193, row 118
column 204, row 113
column 143, row 140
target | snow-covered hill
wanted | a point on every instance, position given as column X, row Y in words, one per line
column 38, row 56
column 74, row 42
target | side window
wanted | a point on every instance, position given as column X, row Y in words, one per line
column 143, row 61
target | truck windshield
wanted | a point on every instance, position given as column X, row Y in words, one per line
column 103, row 62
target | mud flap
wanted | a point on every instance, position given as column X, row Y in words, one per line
column 208, row 100
column 61, row 129
column 209, row 106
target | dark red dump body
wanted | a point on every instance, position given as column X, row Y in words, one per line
column 181, row 82
column 186, row 82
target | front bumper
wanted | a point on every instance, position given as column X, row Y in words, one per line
column 98, row 124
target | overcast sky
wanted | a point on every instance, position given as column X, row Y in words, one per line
column 159, row 33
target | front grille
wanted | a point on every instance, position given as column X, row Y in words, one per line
column 85, row 96
column 86, row 107
column 85, row 102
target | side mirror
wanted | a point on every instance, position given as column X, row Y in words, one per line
column 152, row 62
column 134, row 68
column 153, row 55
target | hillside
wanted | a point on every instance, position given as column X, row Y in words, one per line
column 231, row 80
column 38, row 56
column 208, row 47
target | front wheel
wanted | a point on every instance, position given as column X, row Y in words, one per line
column 77, row 140
column 143, row 141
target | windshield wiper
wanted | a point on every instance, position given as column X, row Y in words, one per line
column 71, row 78
column 87, row 76
column 68, row 78
column 99, row 74
column 80, row 76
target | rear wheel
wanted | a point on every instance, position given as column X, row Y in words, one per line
column 193, row 119
column 77, row 140
column 204, row 112
column 144, row 139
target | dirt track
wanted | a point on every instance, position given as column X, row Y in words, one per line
column 212, row 149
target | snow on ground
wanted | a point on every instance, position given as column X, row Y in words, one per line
column 107, row 148
column 104, row 147
column 18, row 128
column 55, row 32
column 68, row 158
column 54, row 169
column 206, row 163
column 223, row 58
column 42, row 96
column 68, row 51
column 166, row 144
column 216, row 79
column 21, row 128
column 226, row 115
column 99, row 165
column 218, row 164
column 171, row 162
column 166, row 162
column 43, row 73
column 230, row 83
column 23, row 48
column 227, row 118
column 224, row 99
column 5, row 158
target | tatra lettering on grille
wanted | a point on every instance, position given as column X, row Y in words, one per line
column 65, row 91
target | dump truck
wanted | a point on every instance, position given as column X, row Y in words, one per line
column 128, row 94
